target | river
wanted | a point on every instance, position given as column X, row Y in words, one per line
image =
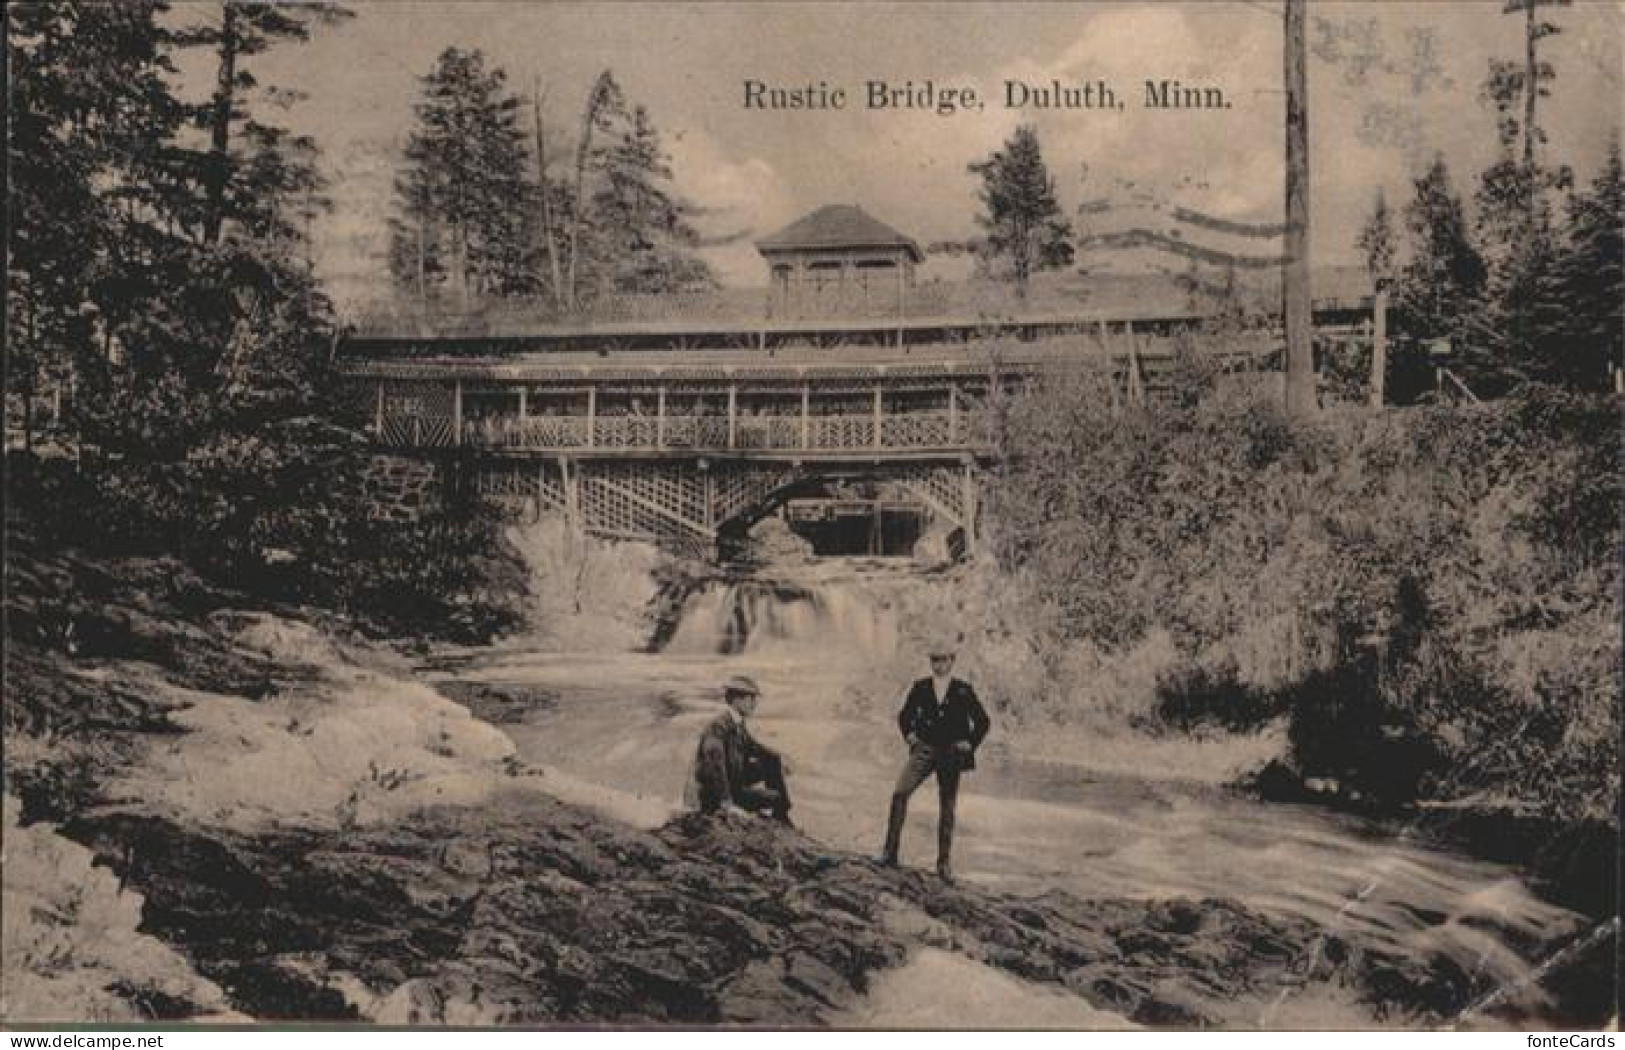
column 830, row 645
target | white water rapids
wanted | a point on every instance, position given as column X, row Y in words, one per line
column 834, row 647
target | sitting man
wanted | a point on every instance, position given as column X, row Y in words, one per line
column 733, row 771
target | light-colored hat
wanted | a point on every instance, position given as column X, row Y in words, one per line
column 942, row 645
column 741, row 684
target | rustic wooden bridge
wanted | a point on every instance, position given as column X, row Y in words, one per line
column 689, row 428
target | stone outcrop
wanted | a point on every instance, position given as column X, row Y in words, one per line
column 530, row 911
column 401, row 488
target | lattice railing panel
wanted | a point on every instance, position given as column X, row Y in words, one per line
column 678, row 489
column 417, row 431
column 837, row 432
column 628, row 432
column 696, row 432
column 738, row 488
column 532, row 432
column 663, row 499
column 615, row 508
column 942, row 488
column 505, row 482
column 768, row 432
column 522, row 481
column 915, row 430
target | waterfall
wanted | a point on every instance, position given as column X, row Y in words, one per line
column 763, row 617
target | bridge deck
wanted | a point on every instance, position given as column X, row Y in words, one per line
column 944, row 359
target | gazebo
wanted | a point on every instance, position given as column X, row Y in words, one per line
column 839, row 254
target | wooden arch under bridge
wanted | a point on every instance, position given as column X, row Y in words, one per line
column 689, row 504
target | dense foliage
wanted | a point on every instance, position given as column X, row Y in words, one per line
column 481, row 213
column 161, row 286
column 1525, row 283
column 1431, row 596
column 468, row 221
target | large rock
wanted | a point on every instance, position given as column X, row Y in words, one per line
column 529, row 911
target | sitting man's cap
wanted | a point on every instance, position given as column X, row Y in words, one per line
column 741, row 684
column 942, row 645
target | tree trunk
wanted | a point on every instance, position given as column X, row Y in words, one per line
column 220, row 125
column 1295, row 305
column 557, row 284
column 595, row 99
column 1531, row 89
column 423, row 266
column 582, row 153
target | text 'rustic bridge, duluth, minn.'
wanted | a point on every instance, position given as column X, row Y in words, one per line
column 840, row 394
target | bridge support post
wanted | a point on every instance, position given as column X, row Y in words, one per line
column 879, row 437
column 378, row 413
column 660, row 418
column 968, row 507
column 953, row 414
column 570, row 481
column 708, row 487
column 457, row 413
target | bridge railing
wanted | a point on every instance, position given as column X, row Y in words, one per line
column 919, row 431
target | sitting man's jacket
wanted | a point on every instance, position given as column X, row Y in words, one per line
column 724, row 764
column 958, row 718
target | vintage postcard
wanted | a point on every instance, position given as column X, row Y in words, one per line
column 1093, row 516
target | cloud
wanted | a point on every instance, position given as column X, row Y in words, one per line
column 746, row 196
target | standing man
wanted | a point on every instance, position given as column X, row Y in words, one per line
column 943, row 723
column 732, row 769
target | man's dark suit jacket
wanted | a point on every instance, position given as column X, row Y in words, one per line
column 728, row 760
column 959, row 718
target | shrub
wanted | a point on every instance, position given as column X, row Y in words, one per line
column 1420, row 589
column 1190, row 696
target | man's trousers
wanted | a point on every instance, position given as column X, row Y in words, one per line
column 764, row 787
column 924, row 760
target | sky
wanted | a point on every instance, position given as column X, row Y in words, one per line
column 1391, row 84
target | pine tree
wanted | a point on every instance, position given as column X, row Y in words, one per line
column 606, row 106
column 1376, row 243
column 1442, row 282
column 244, row 29
column 114, row 280
column 1593, row 281
column 642, row 225
column 90, row 149
column 1522, row 314
column 466, row 208
column 1025, row 231
column 1530, row 81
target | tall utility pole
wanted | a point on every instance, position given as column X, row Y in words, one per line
column 1295, row 307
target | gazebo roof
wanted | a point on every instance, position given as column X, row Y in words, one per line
column 836, row 226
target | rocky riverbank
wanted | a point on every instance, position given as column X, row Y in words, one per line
column 531, row 911
column 285, row 824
